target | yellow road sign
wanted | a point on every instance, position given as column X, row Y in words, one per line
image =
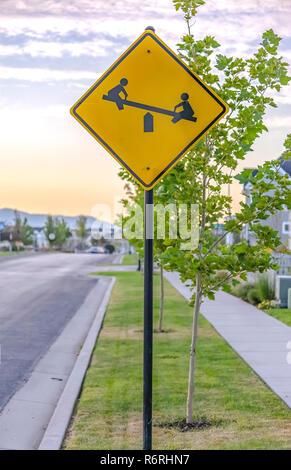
column 148, row 109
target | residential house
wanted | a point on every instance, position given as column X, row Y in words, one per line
column 280, row 220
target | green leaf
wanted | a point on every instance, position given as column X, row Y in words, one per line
column 284, row 80
column 222, row 61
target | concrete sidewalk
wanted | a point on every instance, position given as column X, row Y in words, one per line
column 261, row 340
column 25, row 417
column 115, row 268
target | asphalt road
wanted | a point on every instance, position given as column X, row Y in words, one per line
column 38, row 295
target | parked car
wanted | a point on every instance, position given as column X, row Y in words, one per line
column 95, row 249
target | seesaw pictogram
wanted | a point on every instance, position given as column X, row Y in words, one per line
column 186, row 112
column 148, row 109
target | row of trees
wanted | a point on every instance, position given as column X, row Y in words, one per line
column 22, row 231
column 248, row 85
column 18, row 234
column 56, row 231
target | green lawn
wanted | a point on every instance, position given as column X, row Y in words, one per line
column 244, row 412
column 282, row 314
column 15, row 253
column 130, row 260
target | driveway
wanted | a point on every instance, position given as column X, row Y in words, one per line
column 38, row 296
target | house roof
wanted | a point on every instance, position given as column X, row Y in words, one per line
column 285, row 165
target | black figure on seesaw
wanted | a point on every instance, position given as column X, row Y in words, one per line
column 187, row 112
column 114, row 93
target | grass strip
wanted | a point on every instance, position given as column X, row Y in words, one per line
column 282, row 314
column 237, row 408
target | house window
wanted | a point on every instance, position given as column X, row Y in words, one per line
column 286, row 228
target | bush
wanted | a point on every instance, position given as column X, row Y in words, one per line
column 255, row 293
column 265, row 305
column 254, row 296
column 266, row 291
column 4, row 247
column 242, row 290
column 110, row 248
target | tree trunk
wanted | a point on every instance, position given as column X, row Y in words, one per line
column 189, row 411
column 161, row 300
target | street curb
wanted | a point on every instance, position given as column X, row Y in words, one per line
column 56, row 430
column 118, row 260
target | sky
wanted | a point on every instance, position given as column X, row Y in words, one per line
column 51, row 51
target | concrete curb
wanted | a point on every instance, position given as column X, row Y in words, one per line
column 118, row 259
column 55, row 432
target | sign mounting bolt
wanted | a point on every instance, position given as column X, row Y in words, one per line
column 150, row 28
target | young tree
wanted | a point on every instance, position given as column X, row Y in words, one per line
column 164, row 198
column 62, row 232
column 246, row 85
column 17, row 225
column 134, row 203
column 49, row 230
column 56, row 231
column 23, row 232
column 81, row 227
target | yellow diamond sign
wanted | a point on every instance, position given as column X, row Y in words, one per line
column 148, row 109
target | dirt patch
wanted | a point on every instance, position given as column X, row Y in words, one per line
column 199, row 424
column 121, row 333
column 163, row 331
column 137, row 333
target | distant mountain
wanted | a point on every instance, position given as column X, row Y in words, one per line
column 38, row 220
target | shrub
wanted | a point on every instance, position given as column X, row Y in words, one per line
column 110, row 248
column 265, row 305
column 254, row 296
column 266, row 291
column 255, row 293
column 242, row 290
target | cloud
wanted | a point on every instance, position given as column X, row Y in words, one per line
column 23, row 126
column 117, row 18
column 44, row 75
column 236, row 25
column 126, row 7
column 84, row 29
column 80, row 8
column 22, row 113
column 282, row 97
column 278, row 122
column 57, row 49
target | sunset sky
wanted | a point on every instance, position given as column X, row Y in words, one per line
column 51, row 51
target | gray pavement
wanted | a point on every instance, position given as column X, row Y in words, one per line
column 39, row 295
column 60, row 420
column 52, row 388
column 261, row 340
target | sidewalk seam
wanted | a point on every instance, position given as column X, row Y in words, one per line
column 57, row 427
